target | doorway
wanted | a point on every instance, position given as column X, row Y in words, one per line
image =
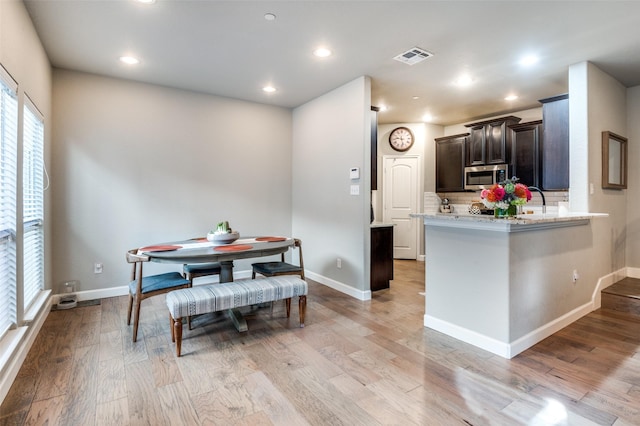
column 400, row 198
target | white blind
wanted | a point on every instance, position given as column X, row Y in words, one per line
column 8, row 183
column 33, row 201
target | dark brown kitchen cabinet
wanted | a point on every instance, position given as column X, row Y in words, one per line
column 490, row 141
column 525, row 152
column 554, row 149
column 381, row 257
column 450, row 162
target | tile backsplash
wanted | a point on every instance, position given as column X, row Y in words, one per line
column 552, row 197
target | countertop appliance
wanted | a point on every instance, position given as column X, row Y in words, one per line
column 482, row 177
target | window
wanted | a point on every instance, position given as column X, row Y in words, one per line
column 33, row 201
column 8, row 183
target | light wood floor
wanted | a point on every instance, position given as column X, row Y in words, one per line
column 355, row 363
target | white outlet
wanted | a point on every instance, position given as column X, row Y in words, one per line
column 97, row 268
column 575, row 277
column 339, row 263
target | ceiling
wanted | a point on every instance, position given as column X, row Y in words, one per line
column 228, row 48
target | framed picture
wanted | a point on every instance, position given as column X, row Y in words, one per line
column 614, row 161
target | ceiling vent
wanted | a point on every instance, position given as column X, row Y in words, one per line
column 413, row 56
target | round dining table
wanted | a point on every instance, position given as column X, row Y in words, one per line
column 200, row 250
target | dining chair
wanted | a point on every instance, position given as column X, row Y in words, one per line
column 270, row 269
column 141, row 287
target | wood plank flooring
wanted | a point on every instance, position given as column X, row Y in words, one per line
column 355, row 363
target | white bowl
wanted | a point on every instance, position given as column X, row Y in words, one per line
column 227, row 238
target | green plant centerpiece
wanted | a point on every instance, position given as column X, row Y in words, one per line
column 223, row 234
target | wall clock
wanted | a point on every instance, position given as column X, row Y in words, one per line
column 401, row 139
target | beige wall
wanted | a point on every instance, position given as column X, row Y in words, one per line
column 137, row 164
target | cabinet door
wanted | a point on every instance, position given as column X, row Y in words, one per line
column 555, row 143
column 381, row 257
column 477, row 143
column 496, row 143
column 450, row 162
column 525, row 145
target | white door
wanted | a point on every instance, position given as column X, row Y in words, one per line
column 400, row 198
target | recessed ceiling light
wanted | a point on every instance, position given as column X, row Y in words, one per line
column 464, row 80
column 511, row 98
column 382, row 108
column 270, row 16
column 528, row 60
column 415, row 98
column 269, row 89
column 322, row 52
column 129, row 60
column 146, row 1
column 427, row 118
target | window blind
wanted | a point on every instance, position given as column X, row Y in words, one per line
column 33, row 201
column 8, row 184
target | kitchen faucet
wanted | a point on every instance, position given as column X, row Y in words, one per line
column 544, row 203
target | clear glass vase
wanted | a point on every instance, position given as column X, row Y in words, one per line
column 510, row 211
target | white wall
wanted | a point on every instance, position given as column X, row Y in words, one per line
column 136, row 164
column 331, row 134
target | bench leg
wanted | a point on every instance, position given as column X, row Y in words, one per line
column 176, row 334
column 287, row 303
column 302, row 308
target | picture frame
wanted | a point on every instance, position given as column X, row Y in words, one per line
column 614, row 161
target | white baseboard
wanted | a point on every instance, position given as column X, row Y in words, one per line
column 541, row 333
column 509, row 350
column 468, row 336
column 103, row 293
column 341, row 287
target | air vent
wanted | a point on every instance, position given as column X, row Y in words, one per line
column 413, row 56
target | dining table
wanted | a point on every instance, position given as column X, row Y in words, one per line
column 201, row 250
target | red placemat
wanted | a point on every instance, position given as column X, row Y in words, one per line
column 159, row 248
column 236, row 247
column 271, row 239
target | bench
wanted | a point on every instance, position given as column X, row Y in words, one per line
column 205, row 299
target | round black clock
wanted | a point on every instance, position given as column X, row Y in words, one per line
column 401, row 139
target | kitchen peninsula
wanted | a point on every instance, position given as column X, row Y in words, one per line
column 505, row 284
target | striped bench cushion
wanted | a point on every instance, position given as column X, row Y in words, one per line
column 219, row 297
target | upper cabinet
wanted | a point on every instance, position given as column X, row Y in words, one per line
column 450, row 161
column 490, row 141
column 554, row 149
column 526, row 139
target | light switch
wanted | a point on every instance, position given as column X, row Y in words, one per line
column 355, row 189
column 354, row 173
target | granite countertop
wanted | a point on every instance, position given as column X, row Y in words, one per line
column 524, row 222
column 381, row 224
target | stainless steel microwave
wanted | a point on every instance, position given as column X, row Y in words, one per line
column 482, row 177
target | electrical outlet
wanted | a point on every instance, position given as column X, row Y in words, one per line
column 339, row 263
column 97, row 268
column 575, row 277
